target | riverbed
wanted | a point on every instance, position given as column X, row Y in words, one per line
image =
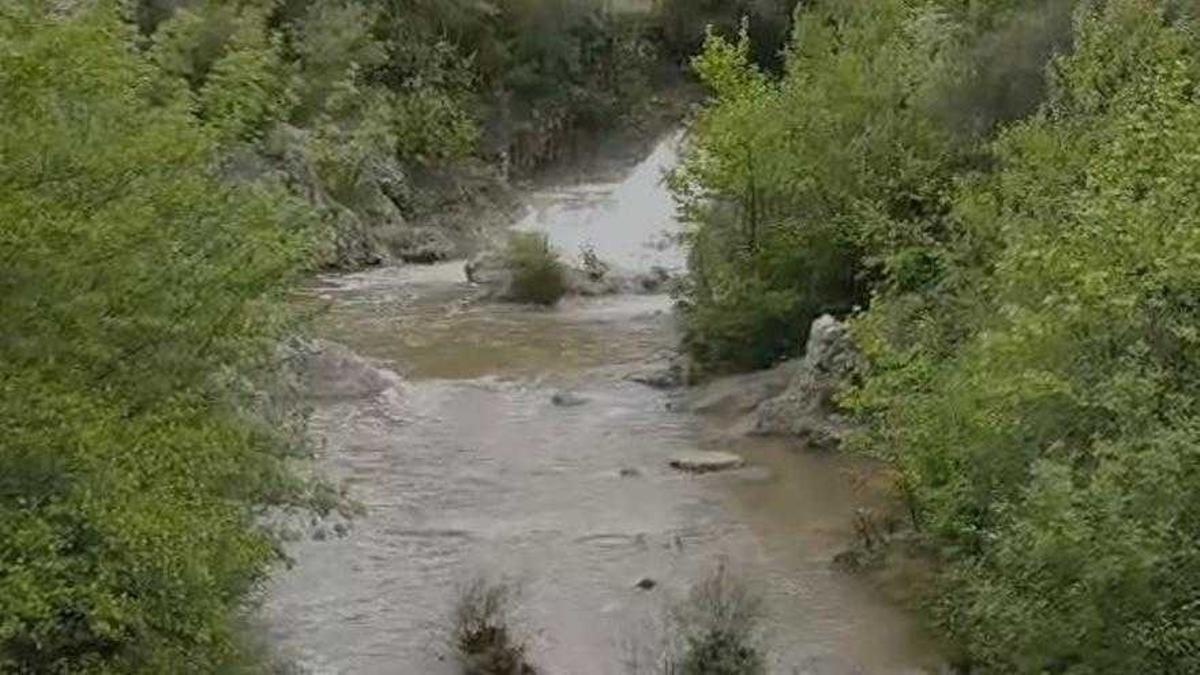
column 444, row 423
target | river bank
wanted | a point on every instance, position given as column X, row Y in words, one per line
column 446, row 421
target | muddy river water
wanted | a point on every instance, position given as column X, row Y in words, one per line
column 441, row 421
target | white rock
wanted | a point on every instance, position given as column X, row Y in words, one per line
column 706, row 462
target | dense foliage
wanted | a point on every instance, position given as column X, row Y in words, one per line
column 1027, row 260
column 401, row 121
column 390, row 117
column 136, row 291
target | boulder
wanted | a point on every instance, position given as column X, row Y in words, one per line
column 738, row 395
column 807, row 409
column 706, row 462
column 645, row 584
column 667, row 371
column 830, row 350
column 663, row 376
column 339, row 374
column 567, row 399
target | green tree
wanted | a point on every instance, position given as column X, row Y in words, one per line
column 139, row 291
column 248, row 89
column 805, row 191
column 1046, row 427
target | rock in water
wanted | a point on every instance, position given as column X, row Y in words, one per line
column 666, row 373
column 566, row 399
column 646, row 584
column 337, row 373
column 706, row 462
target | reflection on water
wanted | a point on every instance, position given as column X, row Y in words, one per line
column 467, row 466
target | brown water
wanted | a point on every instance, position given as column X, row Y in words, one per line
column 467, row 468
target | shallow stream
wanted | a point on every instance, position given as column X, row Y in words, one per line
column 449, row 436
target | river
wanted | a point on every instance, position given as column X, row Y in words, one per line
column 446, row 431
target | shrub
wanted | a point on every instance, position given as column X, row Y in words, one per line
column 189, row 43
column 482, row 635
column 718, row 624
column 748, row 311
column 538, row 276
column 1035, row 362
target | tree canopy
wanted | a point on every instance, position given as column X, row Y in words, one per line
column 1023, row 260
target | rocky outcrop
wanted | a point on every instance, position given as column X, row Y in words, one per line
column 376, row 208
column 355, row 217
column 807, row 409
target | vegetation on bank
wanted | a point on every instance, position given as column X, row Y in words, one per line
column 401, row 122
column 1009, row 190
column 143, row 419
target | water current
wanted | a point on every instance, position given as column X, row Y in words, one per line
column 441, row 419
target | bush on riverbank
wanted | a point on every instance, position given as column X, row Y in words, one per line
column 538, row 276
column 141, row 302
column 1028, row 259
